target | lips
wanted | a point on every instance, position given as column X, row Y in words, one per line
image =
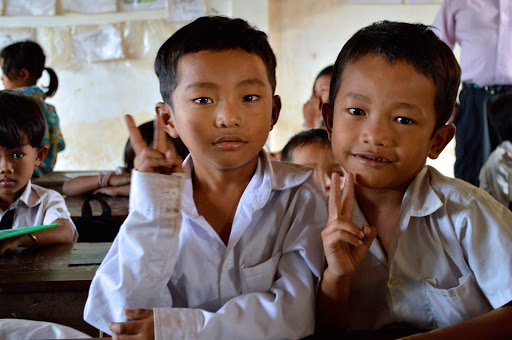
column 372, row 160
column 229, row 142
column 7, row 182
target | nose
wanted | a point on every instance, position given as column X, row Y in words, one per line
column 325, row 179
column 5, row 167
column 375, row 132
column 228, row 115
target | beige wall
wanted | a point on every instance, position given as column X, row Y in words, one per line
column 92, row 98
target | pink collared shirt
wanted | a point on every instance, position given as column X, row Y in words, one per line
column 483, row 29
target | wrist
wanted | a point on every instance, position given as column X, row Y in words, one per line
column 336, row 279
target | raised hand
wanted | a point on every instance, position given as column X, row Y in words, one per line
column 345, row 245
column 312, row 112
column 155, row 158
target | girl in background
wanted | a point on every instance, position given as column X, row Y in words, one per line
column 22, row 65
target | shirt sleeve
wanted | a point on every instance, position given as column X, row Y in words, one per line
column 285, row 311
column 444, row 24
column 135, row 272
column 485, row 234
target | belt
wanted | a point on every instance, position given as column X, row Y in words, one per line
column 490, row 89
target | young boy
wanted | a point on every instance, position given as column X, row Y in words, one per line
column 405, row 244
column 313, row 148
column 245, row 259
column 23, row 204
column 496, row 174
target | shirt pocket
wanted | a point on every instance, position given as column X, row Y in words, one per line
column 259, row 278
column 457, row 304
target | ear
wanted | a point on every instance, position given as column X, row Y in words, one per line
column 41, row 153
column 165, row 111
column 276, row 109
column 441, row 139
column 327, row 114
column 24, row 75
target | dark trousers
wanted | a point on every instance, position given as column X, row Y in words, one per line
column 475, row 137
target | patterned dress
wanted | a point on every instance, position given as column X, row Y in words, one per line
column 52, row 133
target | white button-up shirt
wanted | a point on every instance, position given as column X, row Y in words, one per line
column 262, row 284
column 449, row 261
column 496, row 174
column 37, row 206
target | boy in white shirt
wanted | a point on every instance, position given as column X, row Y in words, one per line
column 22, row 203
column 496, row 174
column 405, row 244
column 245, row 260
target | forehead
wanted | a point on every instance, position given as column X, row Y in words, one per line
column 375, row 77
column 218, row 68
column 312, row 152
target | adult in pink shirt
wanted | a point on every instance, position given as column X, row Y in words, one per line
column 483, row 29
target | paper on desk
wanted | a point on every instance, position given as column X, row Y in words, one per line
column 24, row 230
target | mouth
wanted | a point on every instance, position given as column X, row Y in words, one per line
column 229, row 143
column 373, row 160
column 7, row 182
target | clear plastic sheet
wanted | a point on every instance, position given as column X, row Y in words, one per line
column 133, row 5
column 56, row 42
column 185, row 10
column 10, row 36
column 98, row 44
column 30, row 7
column 142, row 39
column 87, row 6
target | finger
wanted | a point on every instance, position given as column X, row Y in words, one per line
column 136, row 139
column 138, row 314
column 335, row 197
column 159, row 138
column 370, row 235
column 348, row 197
column 126, row 328
column 339, row 236
column 346, row 226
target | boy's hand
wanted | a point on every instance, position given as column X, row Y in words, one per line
column 140, row 326
column 155, row 159
column 312, row 112
column 345, row 245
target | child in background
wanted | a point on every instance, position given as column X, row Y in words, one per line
column 245, row 260
column 22, row 65
column 405, row 244
column 117, row 183
column 313, row 148
column 22, row 203
column 312, row 110
column 496, row 174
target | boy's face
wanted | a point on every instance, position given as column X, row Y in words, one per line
column 382, row 123
column 223, row 108
column 16, row 168
column 320, row 158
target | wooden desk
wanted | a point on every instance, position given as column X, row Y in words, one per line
column 50, row 283
column 118, row 206
column 54, row 180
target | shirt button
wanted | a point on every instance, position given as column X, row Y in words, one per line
column 393, row 282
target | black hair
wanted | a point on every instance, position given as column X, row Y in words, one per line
column 415, row 44
column 212, row 33
column 146, row 130
column 303, row 138
column 499, row 109
column 325, row 72
column 21, row 120
column 30, row 56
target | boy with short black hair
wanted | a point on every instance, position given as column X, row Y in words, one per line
column 313, row 148
column 22, row 203
column 496, row 174
column 405, row 244
column 245, row 259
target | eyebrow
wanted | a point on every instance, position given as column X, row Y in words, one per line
column 398, row 105
column 357, row 96
column 246, row 82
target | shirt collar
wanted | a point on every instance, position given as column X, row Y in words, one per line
column 29, row 196
column 420, row 199
column 35, row 92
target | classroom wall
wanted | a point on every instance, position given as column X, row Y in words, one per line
column 92, row 97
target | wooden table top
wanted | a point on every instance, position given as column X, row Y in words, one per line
column 118, row 206
column 53, row 267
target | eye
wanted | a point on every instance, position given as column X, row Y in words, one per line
column 18, row 155
column 203, row 100
column 404, row 120
column 250, row 98
column 356, row 112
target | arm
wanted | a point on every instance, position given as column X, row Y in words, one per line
column 444, row 24
column 122, row 190
column 493, row 325
column 85, row 184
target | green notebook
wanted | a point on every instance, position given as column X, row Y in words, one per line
column 24, row 230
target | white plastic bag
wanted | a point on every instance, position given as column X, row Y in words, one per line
column 131, row 5
column 104, row 43
column 30, row 7
column 87, row 6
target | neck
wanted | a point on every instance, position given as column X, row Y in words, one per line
column 378, row 202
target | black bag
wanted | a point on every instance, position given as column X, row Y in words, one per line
column 101, row 228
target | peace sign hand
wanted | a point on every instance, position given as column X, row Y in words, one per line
column 155, row 158
column 345, row 245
